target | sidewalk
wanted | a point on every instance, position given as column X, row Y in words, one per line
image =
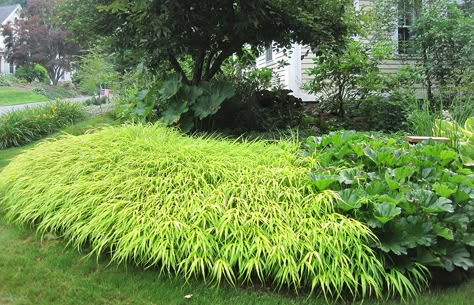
column 6, row 109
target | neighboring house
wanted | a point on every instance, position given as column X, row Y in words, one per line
column 8, row 13
column 299, row 60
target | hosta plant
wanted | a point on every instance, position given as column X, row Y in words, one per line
column 418, row 200
column 462, row 137
column 196, row 207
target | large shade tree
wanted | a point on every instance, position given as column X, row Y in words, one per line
column 38, row 38
column 210, row 31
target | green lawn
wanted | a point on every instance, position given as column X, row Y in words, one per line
column 14, row 96
column 47, row 271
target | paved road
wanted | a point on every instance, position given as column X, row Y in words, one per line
column 5, row 109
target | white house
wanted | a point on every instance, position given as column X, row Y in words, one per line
column 8, row 13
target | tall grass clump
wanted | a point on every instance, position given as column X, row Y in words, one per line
column 198, row 207
column 421, row 118
column 25, row 126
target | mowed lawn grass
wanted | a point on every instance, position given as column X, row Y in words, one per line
column 35, row 270
column 15, row 96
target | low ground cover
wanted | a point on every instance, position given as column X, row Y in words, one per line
column 197, row 207
column 14, row 96
column 52, row 266
column 61, row 91
column 418, row 200
column 44, row 271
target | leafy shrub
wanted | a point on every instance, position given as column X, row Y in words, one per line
column 418, row 200
column 351, row 87
column 96, row 101
column 33, row 72
column 7, row 80
column 177, row 104
column 25, row 126
column 342, row 79
column 444, row 41
column 197, row 207
column 265, row 110
column 95, row 71
column 387, row 114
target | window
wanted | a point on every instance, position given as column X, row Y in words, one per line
column 269, row 53
column 12, row 68
column 408, row 11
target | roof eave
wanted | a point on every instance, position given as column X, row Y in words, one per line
column 11, row 14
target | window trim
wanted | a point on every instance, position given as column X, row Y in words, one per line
column 408, row 26
column 269, row 53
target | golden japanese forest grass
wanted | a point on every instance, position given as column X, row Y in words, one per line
column 201, row 207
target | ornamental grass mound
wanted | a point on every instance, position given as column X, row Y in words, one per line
column 198, row 207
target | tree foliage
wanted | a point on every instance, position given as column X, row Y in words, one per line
column 95, row 71
column 37, row 38
column 342, row 78
column 211, row 31
column 442, row 37
column 445, row 40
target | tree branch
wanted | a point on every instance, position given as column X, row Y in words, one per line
column 177, row 67
column 211, row 55
column 216, row 65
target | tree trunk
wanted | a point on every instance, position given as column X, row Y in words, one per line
column 177, row 67
column 198, row 67
column 429, row 84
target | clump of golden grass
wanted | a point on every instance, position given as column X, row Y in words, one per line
column 196, row 207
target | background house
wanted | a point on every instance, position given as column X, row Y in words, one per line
column 8, row 13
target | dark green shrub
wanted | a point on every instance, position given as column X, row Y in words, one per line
column 96, row 101
column 33, row 72
column 387, row 114
column 264, row 110
column 418, row 200
column 25, row 126
column 195, row 206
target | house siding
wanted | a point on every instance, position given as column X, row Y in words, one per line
column 280, row 73
column 289, row 76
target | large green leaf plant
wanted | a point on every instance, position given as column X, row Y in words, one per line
column 175, row 103
column 418, row 200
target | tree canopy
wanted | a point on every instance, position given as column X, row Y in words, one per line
column 211, row 31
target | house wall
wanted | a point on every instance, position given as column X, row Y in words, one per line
column 289, row 76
